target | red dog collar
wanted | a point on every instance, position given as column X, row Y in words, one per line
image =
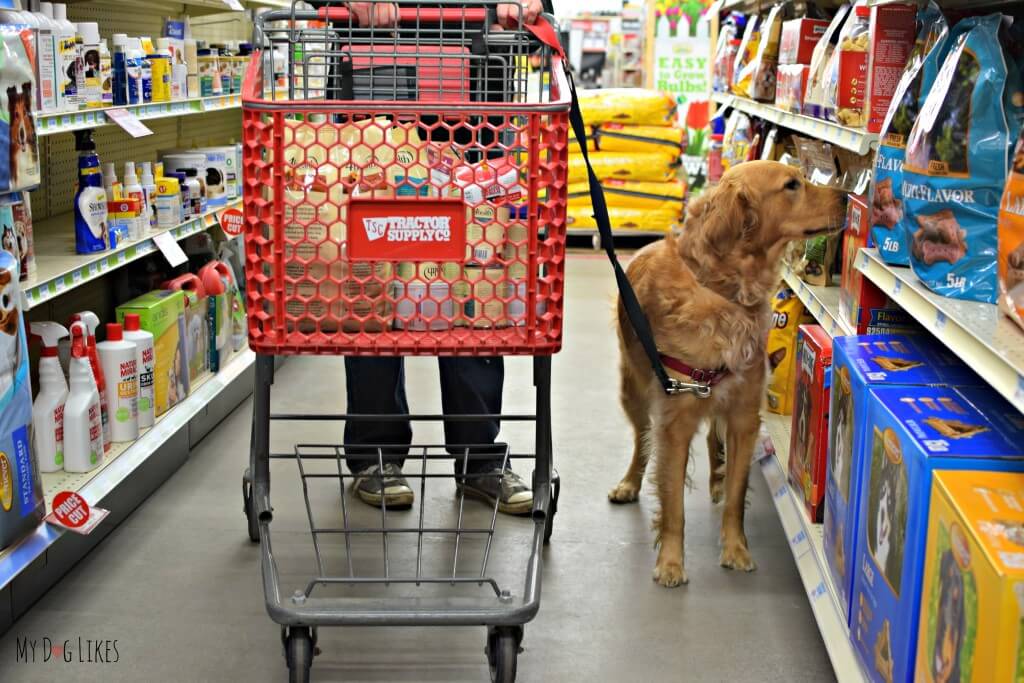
column 709, row 377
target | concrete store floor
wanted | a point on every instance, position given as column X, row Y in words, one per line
column 178, row 583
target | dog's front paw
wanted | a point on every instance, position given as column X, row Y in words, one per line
column 736, row 556
column 670, row 574
column 717, row 490
column 624, row 492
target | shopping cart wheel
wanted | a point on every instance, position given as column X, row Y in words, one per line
column 549, row 523
column 298, row 652
column 248, row 507
column 502, row 651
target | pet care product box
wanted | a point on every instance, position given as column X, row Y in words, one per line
column 197, row 324
column 971, row 627
column 892, row 31
column 799, row 36
column 860, row 362
column 911, row 432
column 21, row 494
column 787, row 315
column 808, row 447
column 162, row 314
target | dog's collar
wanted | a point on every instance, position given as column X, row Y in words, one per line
column 704, row 376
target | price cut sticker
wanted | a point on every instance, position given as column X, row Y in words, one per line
column 71, row 512
column 232, row 221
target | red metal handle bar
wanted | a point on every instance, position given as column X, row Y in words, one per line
column 429, row 15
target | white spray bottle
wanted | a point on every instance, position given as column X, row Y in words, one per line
column 145, row 360
column 83, row 427
column 121, row 375
column 48, row 410
column 91, row 323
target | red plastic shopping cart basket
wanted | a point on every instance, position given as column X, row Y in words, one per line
column 404, row 187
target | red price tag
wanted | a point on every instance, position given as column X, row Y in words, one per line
column 232, row 221
column 70, row 509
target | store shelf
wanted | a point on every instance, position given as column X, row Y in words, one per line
column 805, row 541
column 59, row 268
column 980, row 334
column 858, row 141
column 120, row 463
column 822, row 302
column 64, row 122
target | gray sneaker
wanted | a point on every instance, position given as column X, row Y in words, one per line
column 391, row 487
column 508, row 488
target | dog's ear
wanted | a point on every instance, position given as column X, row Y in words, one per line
column 723, row 216
column 26, row 92
column 12, row 97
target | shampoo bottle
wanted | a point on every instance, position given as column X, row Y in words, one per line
column 133, row 66
column 67, row 69
column 56, row 33
column 149, row 186
column 119, row 70
column 120, row 374
column 91, row 230
column 145, row 359
column 106, row 75
column 48, row 410
column 83, row 428
column 46, row 58
column 92, row 77
column 91, row 323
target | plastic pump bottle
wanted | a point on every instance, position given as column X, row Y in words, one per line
column 91, row 323
column 48, row 410
column 67, row 78
column 121, row 375
column 83, row 428
column 110, row 182
column 145, row 359
column 149, row 187
column 91, row 199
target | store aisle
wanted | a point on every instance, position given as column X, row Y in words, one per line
column 177, row 585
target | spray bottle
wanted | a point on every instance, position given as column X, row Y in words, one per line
column 145, row 360
column 91, row 323
column 121, row 375
column 91, row 231
column 132, row 189
column 48, row 410
column 149, row 187
column 83, row 427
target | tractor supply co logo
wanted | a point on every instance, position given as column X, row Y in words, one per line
column 73, row 650
column 409, row 228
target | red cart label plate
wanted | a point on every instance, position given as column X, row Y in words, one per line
column 411, row 229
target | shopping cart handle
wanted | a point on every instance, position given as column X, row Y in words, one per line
column 425, row 15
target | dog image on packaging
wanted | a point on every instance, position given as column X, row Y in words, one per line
column 858, row 363
column 912, row 431
column 971, row 627
column 787, row 315
column 809, row 443
column 162, row 314
column 17, row 125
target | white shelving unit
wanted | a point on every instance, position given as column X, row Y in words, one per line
column 822, row 302
column 65, row 122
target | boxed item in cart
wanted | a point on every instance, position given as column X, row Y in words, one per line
column 808, row 446
column 892, row 29
column 971, row 625
column 911, row 432
column 799, row 38
column 162, row 314
column 859, row 363
column 790, row 86
column 787, row 315
column 21, row 493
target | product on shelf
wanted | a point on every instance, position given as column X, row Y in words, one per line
column 791, row 86
column 92, row 78
column 788, row 315
column 160, row 70
column 144, row 364
column 162, row 314
column 197, row 335
column 620, row 137
column 92, row 322
column 48, row 409
column 846, row 75
column 858, row 364
column 971, row 625
column 84, row 442
column 18, row 144
column 824, row 51
column 21, row 491
column 168, row 202
column 643, row 166
column 219, row 283
column 736, row 140
column 136, row 65
column 1011, row 238
column 799, row 38
column 67, row 66
column 888, row 227
column 21, row 212
column 725, row 52
column 891, row 40
column 911, row 432
column 952, row 186
column 121, row 376
column 627, row 105
column 808, row 448
column 741, row 76
column 92, row 232
column 762, row 67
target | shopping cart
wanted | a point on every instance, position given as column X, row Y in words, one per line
column 405, row 194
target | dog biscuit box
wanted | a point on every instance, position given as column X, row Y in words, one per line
column 808, row 448
column 162, row 314
column 911, row 432
column 787, row 315
column 972, row 599
column 21, row 494
column 860, row 362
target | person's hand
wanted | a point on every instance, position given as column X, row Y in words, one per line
column 374, row 14
column 508, row 13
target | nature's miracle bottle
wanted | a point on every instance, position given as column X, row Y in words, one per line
column 91, row 199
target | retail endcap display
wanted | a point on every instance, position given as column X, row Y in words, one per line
column 48, row 409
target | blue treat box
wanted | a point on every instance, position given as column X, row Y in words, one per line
column 857, row 363
column 911, row 432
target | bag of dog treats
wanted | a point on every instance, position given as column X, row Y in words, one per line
column 846, row 74
column 956, row 162
column 737, row 139
column 787, row 315
column 814, row 97
column 20, row 169
column 617, row 137
column 649, row 166
column 746, row 52
column 627, row 105
column 914, row 84
column 760, row 71
column 1011, row 239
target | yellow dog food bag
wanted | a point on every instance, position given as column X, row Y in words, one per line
column 972, row 598
column 627, row 105
column 618, row 137
column 788, row 315
column 579, row 216
column 634, row 194
column 1011, row 239
column 647, row 166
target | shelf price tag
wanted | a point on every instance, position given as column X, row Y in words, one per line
column 940, row 320
column 235, row 5
column 71, row 512
column 170, row 248
column 897, row 287
column 129, row 122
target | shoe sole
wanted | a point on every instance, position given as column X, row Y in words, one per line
column 523, row 508
column 391, row 502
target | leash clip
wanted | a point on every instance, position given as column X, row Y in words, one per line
column 677, row 387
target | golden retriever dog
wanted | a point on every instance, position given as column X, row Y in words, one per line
column 707, row 295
